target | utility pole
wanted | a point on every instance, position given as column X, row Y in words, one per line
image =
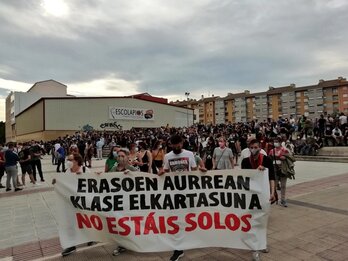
column 187, row 94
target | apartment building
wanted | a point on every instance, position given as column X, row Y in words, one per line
column 229, row 108
column 219, row 111
column 326, row 97
column 240, row 110
column 261, row 106
column 335, row 95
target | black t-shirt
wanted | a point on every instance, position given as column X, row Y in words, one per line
column 24, row 155
column 33, row 150
column 321, row 123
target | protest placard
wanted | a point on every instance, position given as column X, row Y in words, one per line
column 148, row 213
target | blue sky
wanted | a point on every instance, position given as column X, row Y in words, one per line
column 167, row 48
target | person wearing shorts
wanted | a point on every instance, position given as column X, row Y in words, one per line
column 25, row 162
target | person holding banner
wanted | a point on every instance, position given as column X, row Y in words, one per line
column 112, row 159
column 122, row 165
column 178, row 160
column 74, row 166
column 258, row 160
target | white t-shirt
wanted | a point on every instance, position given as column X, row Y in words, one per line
column 184, row 161
column 56, row 146
column 246, row 153
column 343, row 119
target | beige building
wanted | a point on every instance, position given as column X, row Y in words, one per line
column 50, row 117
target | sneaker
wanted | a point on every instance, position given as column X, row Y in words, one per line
column 18, row 189
column 68, row 251
column 283, row 203
column 177, row 255
column 256, row 256
column 2, row 186
column 118, row 251
column 42, row 180
column 8, row 189
column 266, row 250
column 91, row 243
column 36, row 184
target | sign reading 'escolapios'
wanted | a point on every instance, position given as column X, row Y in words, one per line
column 122, row 113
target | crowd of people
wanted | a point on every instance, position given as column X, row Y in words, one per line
column 250, row 145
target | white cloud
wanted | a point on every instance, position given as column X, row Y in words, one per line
column 109, row 86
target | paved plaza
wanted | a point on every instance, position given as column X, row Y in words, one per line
column 313, row 227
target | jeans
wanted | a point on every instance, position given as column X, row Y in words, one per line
column 61, row 161
column 100, row 154
column 282, row 186
column 12, row 172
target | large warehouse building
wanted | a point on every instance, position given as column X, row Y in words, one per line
column 50, row 117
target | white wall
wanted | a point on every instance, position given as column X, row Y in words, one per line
column 22, row 100
column 49, row 89
column 74, row 113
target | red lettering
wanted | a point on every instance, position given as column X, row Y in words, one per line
column 205, row 221
column 110, row 222
column 83, row 219
column 175, row 227
column 122, row 224
column 136, row 221
column 96, row 222
column 150, row 224
column 189, row 221
column 217, row 221
column 162, row 224
column 245, row 220
column 236, row 222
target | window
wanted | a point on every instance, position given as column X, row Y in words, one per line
column 298, row 94
column 334, row 90
column 345, row 95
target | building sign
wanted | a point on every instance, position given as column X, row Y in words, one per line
column 121, row 113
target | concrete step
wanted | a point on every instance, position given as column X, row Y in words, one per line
column 319, row 158
column 341, row 151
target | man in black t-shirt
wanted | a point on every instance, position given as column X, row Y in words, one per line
column 35, row 153
column 25, row 162
column 321, row 125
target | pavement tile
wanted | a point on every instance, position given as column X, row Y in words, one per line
column 50, row 251
column 300, row 254
column 50, row 242
column 6, row 252
column 26, row 248
column 34, row 254
column 332, row 255
column 6, row 243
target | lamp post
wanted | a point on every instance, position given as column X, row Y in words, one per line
column 187, row 94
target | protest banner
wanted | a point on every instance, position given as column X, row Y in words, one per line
column 148, row 213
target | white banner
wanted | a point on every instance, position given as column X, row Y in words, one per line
column 121, row 113
column 147, row 213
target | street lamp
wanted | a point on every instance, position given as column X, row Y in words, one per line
column 187, row 94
